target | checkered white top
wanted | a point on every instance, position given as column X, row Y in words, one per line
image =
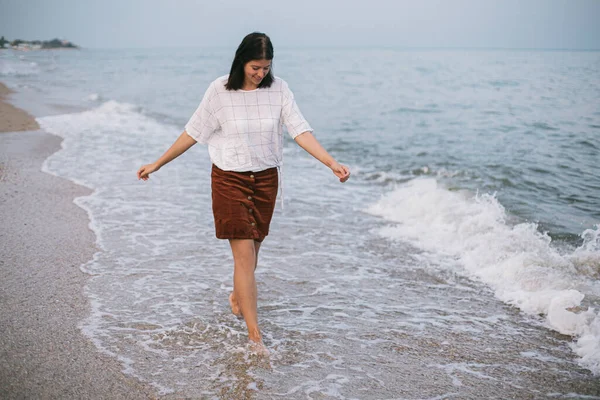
column 244, row 128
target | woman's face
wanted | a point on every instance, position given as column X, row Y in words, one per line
column 255, row 71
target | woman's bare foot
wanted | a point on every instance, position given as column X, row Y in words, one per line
column 258, row 348
column 235, row 308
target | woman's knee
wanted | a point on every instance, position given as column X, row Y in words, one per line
column 244, row 252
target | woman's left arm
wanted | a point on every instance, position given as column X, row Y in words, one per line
column 308, row 142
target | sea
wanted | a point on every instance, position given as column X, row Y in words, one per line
column 461, row 259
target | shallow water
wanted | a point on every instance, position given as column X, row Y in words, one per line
column 460, row 261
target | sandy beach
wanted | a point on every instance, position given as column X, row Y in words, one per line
column 44, row 239
column 13, row 119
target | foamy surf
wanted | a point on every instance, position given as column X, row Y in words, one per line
column 520, row 263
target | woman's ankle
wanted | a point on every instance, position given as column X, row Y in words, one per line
column 254, row 335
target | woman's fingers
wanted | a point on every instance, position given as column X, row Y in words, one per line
column 342, row 172
column 346, row 173
column 143, row 173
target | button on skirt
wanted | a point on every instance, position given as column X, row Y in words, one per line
column 243, row 202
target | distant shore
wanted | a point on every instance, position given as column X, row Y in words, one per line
column 19, row 44
column 45, row 238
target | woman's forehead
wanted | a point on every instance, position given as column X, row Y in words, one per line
column 259, row 63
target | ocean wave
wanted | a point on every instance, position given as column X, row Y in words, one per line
column 383, row 177
column 95, row 97
column 517, row 261
column 62, row 125
column 110, row 130
column 414, row 110
column 18, row 68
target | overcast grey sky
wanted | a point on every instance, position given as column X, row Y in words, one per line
column 573, row 24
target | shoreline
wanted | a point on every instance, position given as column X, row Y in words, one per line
column 45, row 239
column 13, row 119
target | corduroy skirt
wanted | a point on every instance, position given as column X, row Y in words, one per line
column 243, row 202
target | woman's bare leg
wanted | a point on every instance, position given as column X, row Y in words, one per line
column 244, row 284
column 235, row 308
column 256, row 248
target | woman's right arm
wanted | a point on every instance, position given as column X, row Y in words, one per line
column 181, row 145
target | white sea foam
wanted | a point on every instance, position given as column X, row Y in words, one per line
column 517, row 261
column 113, row 129
column 101, row 149
column 94, row 97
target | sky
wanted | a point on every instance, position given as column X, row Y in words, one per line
column 540, row 24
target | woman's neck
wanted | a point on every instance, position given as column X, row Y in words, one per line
column 249, row 86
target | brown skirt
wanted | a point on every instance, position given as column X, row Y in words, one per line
column 243, row 202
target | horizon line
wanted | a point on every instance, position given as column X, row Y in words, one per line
column 378, row 47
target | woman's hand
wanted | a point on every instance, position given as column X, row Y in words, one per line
column 341, row 171
column 181, row 145
column 146, row 170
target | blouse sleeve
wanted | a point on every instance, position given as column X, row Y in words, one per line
column 203, row 122
column 291, row 115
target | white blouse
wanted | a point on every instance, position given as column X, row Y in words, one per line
column 244, row 128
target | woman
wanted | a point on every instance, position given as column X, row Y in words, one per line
column 240, row 118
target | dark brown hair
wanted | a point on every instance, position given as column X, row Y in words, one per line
column 255, row 46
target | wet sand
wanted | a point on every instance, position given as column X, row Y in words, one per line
column 13, row 119
column 43, row 241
